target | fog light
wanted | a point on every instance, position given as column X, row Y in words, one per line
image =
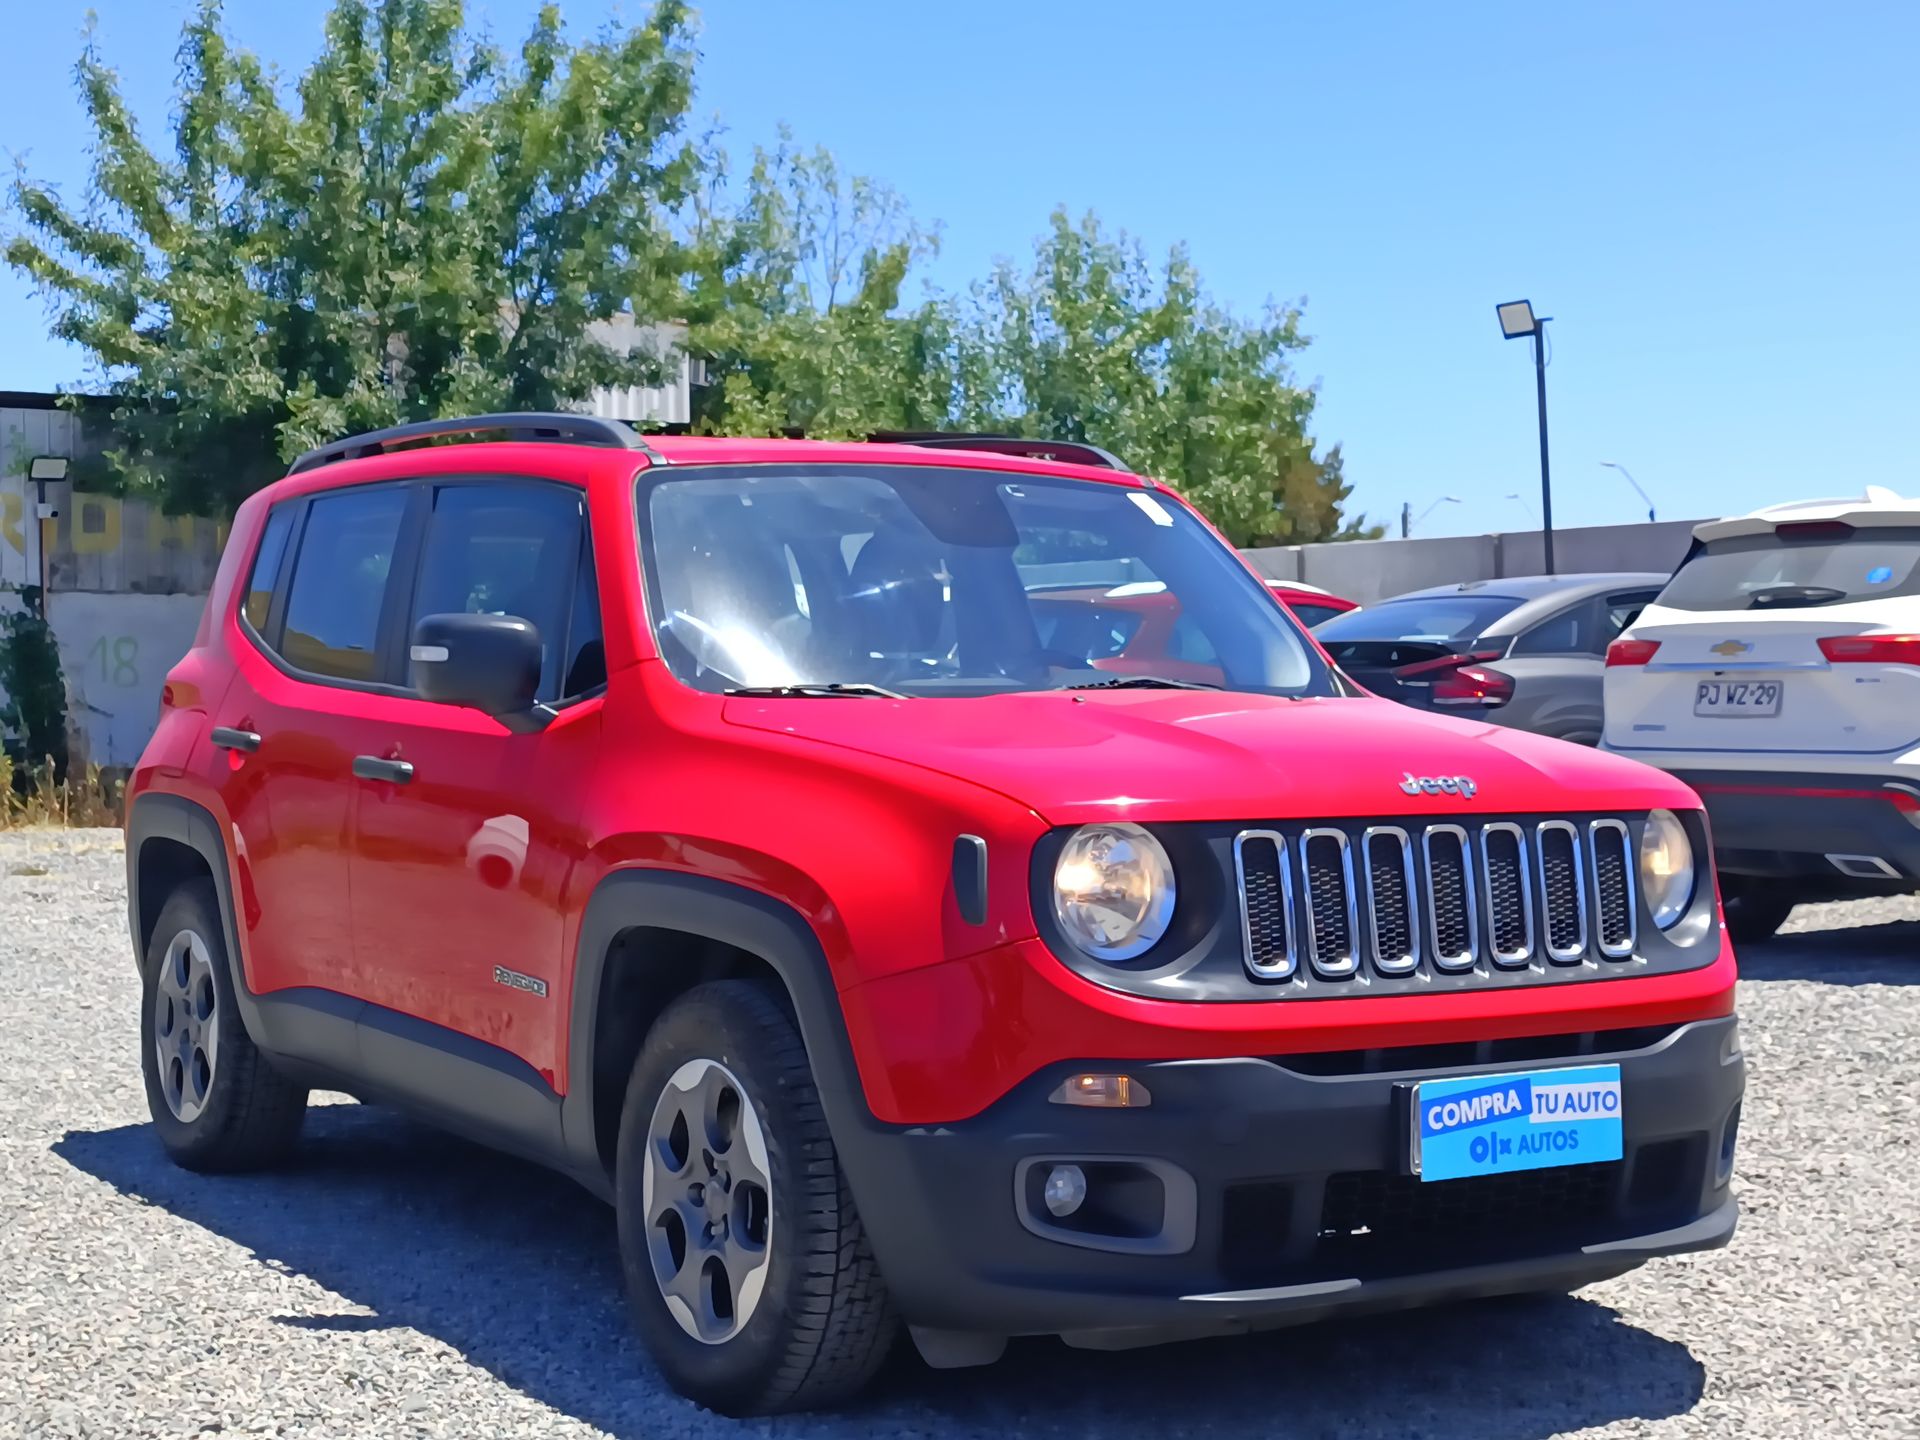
column 1066, row 1190
column 1102, row 1092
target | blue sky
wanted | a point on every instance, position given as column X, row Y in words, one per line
column 1716, row 201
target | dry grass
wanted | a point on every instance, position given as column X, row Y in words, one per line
column 40, row 799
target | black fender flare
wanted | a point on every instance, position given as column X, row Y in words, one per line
column 160, row 816
column 733, row 915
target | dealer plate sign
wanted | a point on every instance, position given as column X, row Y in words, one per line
column 1489, row 1124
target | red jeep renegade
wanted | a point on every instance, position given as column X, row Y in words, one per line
column 742, row 828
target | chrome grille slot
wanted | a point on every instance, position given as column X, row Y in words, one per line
column 1450, row 908
column 1386, row 853
column 1615, row 902
column 1328, row 903
column 1563, row 891
column 1266, row 903
column 1447, row 902
column 1508, row 886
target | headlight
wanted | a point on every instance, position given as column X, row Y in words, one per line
column 1113, row 890
column 1666, row 868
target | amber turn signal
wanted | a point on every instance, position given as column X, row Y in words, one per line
column 1102, row 1092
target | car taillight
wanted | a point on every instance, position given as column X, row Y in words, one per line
column 1473, row 685
column 1631, row 652
column 1459, row 679
column 1871, row 649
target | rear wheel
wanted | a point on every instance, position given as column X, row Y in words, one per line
column 216, row 1101
column 748, row 1270
column 1757, row 906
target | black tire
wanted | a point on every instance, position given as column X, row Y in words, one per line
column 251, row 1113
column 1756, row 907
column 823, row 1323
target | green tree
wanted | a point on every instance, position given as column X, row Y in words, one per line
column 1091, row 342
column 421, row 227
column 797, row 308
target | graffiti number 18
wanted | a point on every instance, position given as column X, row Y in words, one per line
column 118, row 657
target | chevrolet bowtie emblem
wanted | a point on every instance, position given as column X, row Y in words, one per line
column 1731, row 648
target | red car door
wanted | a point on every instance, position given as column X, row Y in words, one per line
column 465, row 830
column 307, row 655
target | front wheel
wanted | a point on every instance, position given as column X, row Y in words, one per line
column 1756, row 907
column 749, row 1274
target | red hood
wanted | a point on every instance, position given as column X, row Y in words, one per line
column 1199, row 755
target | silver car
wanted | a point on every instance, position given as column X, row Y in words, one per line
column 1528, row 652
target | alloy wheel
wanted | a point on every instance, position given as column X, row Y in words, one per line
column 707, row 1189
column 186, row 1031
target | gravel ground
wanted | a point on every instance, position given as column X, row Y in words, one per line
column 396, row 1283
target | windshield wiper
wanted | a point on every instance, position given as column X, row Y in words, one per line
column 1768, row 595
column 1142, row 682
column 833, row 691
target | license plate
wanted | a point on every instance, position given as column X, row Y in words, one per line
column 1539, row 1120
column 1737, row 698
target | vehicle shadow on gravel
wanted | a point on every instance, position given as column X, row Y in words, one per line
column 1884, row 954
column 515, row 1269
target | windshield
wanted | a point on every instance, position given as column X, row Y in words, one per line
column 936, row 581
column 1435, row 618
column 1810, row 564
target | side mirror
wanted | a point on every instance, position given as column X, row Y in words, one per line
column 489, row 662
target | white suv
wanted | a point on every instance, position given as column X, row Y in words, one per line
column 1778, row 673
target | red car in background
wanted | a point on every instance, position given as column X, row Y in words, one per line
column 1310, row 604
column 1136, row 628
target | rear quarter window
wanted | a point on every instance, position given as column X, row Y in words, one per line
column 1797, row 567
column 258, row 603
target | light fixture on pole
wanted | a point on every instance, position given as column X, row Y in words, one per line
column 1408, row 519
column 44, row 470
column 1517, row 321
column 1616, row 465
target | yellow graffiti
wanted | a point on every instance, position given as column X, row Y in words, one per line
column 171, row 530
column 96, row 524
column 11, row 509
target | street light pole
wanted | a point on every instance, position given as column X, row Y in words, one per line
column 1546, row 482
column 1517, row 320
column 1616, row 465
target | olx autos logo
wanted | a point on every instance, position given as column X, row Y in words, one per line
column 1439, row 785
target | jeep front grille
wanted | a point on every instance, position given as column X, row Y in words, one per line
column 1336, row 906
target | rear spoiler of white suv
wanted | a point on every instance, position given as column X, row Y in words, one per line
column 1877, row 507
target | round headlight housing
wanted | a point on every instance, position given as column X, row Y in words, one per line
column 1666, row 868
column 1113, row 890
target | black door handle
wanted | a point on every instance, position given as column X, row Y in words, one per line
column 230, row 739
column 372, row 767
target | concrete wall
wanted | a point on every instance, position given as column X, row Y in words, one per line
column 115, row 651
column 1369, row 570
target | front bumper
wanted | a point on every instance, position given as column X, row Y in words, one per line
column 1299, row 1204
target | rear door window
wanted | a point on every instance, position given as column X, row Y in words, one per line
column 1622, row 611
column 340, row 582
column 1574, row 631
column 1797, row 566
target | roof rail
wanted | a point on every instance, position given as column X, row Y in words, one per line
column 1071, row 452
column 527, row 425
